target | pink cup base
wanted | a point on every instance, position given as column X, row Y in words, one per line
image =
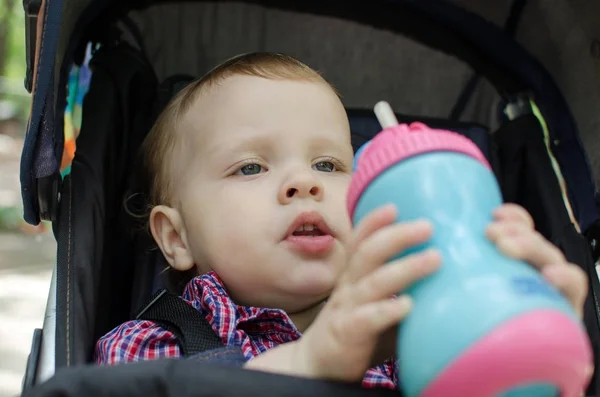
column 545, row 347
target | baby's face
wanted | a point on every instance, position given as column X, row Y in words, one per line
column 263, row 192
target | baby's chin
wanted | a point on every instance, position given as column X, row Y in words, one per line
column 311, row 283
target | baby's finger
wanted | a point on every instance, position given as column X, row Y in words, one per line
column 383, row 245
column 570, row 280
column 370, row 320
column 374, row 221
column 514, row 212
column 500, row 229
column 531, row 247
column 395, row 277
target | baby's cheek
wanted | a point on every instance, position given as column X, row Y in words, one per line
column 344, row 230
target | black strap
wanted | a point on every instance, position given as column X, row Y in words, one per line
column 194, row 333
column 510, row 27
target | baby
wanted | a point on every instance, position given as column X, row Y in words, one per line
column 249, row 168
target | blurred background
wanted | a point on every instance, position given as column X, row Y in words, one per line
column 26, row 253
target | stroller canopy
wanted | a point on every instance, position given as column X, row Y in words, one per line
column 358, row 47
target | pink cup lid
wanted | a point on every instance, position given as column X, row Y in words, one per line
column 401, row 142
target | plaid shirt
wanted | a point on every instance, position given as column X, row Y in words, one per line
column 253, row 330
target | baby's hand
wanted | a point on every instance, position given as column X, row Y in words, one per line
column 514, row 234
column 341, row 342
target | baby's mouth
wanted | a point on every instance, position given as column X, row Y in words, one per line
column 310, row 235
column 308, row 230
column 308, row 224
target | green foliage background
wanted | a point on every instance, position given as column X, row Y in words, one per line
column 14, row 17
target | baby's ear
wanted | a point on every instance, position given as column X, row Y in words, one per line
column 167, row 229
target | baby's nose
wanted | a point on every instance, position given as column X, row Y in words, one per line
column 301, row 185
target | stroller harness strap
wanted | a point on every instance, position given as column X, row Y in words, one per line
column 193, row 332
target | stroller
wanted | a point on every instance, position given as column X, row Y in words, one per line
column 518, row 77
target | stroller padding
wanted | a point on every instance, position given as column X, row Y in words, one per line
column 93, row 239
column 187, row 378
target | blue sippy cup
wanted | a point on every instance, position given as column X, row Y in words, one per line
column 484, row 325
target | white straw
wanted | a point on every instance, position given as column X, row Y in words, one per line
column 385, row 114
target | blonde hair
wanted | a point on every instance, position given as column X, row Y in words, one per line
column 161, row 140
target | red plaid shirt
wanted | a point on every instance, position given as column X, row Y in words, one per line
column 254, row 330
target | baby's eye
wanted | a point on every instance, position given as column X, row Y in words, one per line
column 250, row 169
column 324, row 166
